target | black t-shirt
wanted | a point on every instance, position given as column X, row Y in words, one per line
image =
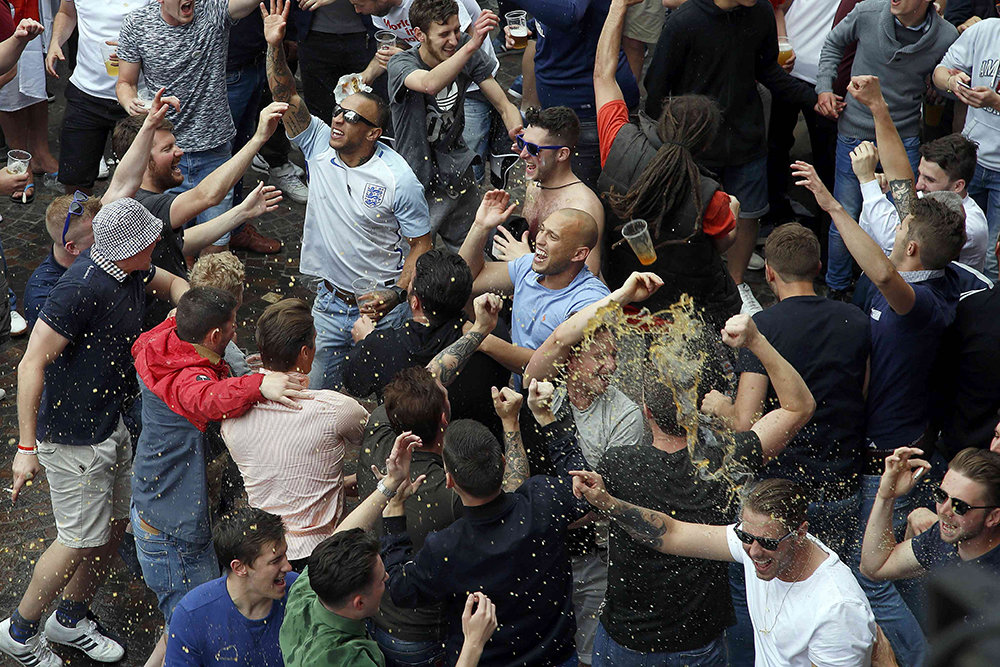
column 828, row 343
column 932, row 552
column 167, row 254
column 657, row 602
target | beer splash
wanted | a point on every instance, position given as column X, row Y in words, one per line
column 673, row 347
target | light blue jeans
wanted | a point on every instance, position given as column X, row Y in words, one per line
column 334, row 319
column 478, row 112
column 985, row 189
column 847, row 190
column 196, row 167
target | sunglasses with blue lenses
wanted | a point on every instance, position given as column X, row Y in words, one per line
column 75, row 208
column 533, row 149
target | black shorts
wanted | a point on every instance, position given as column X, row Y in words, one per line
column 85, row 129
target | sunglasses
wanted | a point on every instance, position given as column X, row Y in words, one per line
column 352, row 116
column 75, row 208
column 533, row 149
column 960, row 507
column 766, row 543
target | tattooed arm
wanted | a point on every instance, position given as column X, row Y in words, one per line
column 449, row 362
column 279, row 76
column 663, row 533
column 507, row 403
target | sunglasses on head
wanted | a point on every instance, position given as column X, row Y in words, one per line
column 960, row 507
column 766, row 543
column 75, row 208
column 352, row 116
column 533, row 149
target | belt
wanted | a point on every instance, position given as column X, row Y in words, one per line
column 146, row 527
column 346, row 297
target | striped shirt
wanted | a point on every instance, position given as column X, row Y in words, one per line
column 292, row 462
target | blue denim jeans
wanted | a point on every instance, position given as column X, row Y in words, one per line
column 985, row 189
column 171, row 566
column 609, row 652
column 478, row 113
column 847, row 191
column 748, row 183
column 195, row 167
column 400, row 653
column 334, row 319
column 243, row 88
column 891, row 612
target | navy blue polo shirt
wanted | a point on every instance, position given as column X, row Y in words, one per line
column 904, row 348
column 931, row 552
column 101, row 316
column 37, row 289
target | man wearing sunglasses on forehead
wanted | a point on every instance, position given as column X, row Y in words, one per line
column 365, row 202
column 967, row 503
column 805, row 604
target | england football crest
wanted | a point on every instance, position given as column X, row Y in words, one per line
column 374, row 194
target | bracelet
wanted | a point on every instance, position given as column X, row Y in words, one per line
column 27, row 450
column 385, row 490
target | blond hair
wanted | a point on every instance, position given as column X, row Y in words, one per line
column 55, row 217
column 223, row 270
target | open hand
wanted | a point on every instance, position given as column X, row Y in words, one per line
column 270, row 116
column 482, row 28
column 901, row 472
column 262, row 199
column 507, row 248
column 495, row 209
column 283, row 388
column 811, row 181
column 275, row 21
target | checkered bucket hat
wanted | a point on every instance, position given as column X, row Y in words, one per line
column 124, row 228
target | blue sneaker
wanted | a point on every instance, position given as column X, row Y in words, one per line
column 516, row 89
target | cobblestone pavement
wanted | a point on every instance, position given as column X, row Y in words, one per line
column 124, row 604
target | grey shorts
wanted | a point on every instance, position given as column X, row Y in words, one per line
column 590, row 582
column 644, row 21
column 90, row 486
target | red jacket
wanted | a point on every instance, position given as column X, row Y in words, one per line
column 191, row 384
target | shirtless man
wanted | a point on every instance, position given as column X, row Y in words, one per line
column 546, row 146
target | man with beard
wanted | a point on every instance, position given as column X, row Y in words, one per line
column 968, row 510
column 546, row 146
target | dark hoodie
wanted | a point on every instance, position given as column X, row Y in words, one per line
column 377, row 359
column 184, row 386
column 705, row 50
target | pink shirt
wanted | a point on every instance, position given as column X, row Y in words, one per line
column 292, row 462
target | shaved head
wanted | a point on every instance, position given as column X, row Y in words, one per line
column 576, row 224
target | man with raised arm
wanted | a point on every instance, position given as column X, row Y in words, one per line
column 366, row 202
column 914, row 302
column 787, row 571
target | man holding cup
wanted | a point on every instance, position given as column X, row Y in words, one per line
column 368, row 203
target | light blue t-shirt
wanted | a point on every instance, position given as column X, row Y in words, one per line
column 207, row 630
column 539, row 310
column 357, row 217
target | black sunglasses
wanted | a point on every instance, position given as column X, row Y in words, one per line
column 352, row 116
column 766, row 543
column 533, row 149
column 75, row 208
column 960, row 507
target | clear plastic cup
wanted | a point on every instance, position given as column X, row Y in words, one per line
column 110, row 55
column 363, row 288
column 636, row 233
column 517, row 22
column 785, row 51
column 145, row 97
column 386, row 39
column 18, row 161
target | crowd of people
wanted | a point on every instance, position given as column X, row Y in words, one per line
column 579, row 439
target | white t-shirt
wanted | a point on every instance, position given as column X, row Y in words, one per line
column 98, row 21
column 977, row 53
column 808, row 22
column 357, row 217
column 398, row 21
column 824, row 621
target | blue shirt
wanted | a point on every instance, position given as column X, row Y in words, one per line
column 538, row 310
column 86, row 384
column 904, row 348
column 37, row 289
column 207, row 630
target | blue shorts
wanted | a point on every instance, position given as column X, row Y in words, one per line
column 748, row 183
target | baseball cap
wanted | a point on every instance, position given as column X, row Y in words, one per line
column 124, row 228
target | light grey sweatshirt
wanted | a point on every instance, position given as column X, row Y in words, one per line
column 901, row 70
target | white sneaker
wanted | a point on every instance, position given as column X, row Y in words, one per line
column 3, row 394
column 102, row 170
column 87, row 637
column 756, row 262
column 299, row 171
column 259, row 164
column 33, row 653
column 288, row 182
column 750, row 304
column 18, row 325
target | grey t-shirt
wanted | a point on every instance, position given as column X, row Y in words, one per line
column 429, row 127
column 612, row 420
column 337, row 19
column 190, row 62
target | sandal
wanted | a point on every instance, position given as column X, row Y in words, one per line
column 26, row 196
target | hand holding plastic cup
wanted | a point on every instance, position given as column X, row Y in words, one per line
column 517, row 23
column 145, row 97
column 363, row 288
column 110, row 55
column 17, row 161
column 785, row 51
column 636, row 233
column 386, row 39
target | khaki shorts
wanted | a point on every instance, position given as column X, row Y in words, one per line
column 644, row 21
column 90, row 485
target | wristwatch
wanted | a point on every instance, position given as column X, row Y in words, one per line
column 399, row 292
column 385, row 490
